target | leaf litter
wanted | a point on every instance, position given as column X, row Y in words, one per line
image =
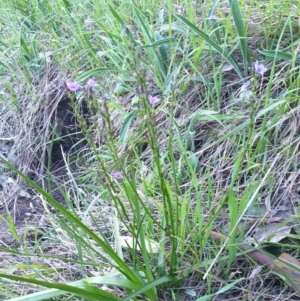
column 267, row 224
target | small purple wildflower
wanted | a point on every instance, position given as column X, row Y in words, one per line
column 153, row 100
column 73, row 86
column 117, row 175
column 91, row 83
column 259, row 68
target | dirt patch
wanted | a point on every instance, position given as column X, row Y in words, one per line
column 59, row 155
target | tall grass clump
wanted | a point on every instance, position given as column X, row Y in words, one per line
column 190, row 127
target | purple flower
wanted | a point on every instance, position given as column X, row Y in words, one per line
column 117, row 175
column 153, row 100
column 73, row 86
column 259, row 68
column 91, row 83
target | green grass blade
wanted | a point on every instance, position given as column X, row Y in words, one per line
column 278, row 55
column 145, row 27
column 12, row 228
column 149, row 37
column 212, row 11
column 82, row 289
column 120, row 264
column 240, row 28
column 67, row 5
column 147, row 287
column 125, row 127
column 174, row 27
column 244, row 124
column 102, row 280
column 226, row 55
column 160, row 42
column 117, row 16
column 222, row 290
column 93, row 72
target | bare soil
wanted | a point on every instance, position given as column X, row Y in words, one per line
column 27, row 211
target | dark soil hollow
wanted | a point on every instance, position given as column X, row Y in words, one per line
column 67, row 142
column 69, row 137
column 66, row 137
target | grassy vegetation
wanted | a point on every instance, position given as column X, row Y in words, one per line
column 193, row 120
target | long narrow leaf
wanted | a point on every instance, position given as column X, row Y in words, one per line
column 86, row 291
column 93, row 72
column 120, row 264
column 117, row 16
column 240, row 28
column 227, row 56
column 125, row 127
column 222, row 290
column 103, row 280
column 240, row 127
column 160, row 42
column 147, row 287
column 278, row 55
column 211, row 12
column 149, row 37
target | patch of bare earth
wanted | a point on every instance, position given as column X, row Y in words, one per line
column 38, row 140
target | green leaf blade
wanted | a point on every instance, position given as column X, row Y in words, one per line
column 227, row 56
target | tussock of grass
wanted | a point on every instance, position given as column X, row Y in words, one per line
column 220, row 139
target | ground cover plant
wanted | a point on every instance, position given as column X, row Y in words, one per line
column 149, row 150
